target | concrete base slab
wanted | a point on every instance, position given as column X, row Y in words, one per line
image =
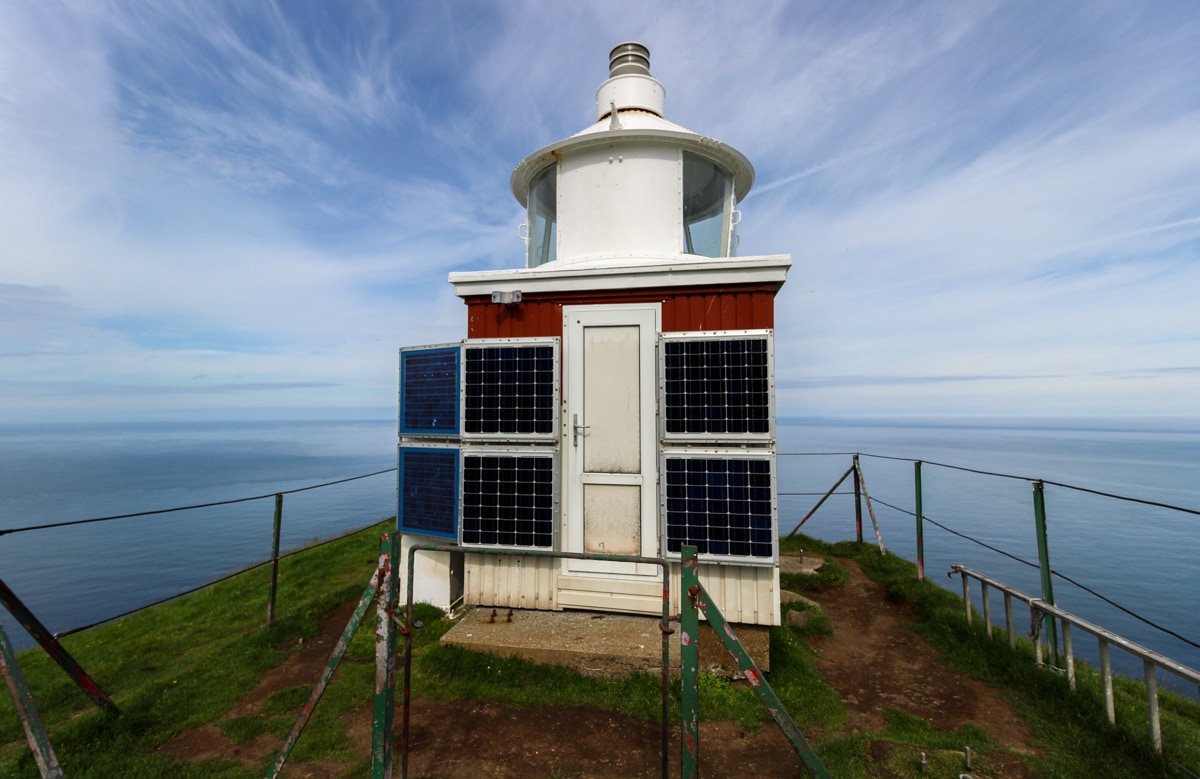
column 597, row 644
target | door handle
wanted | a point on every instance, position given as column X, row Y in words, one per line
column 576, row 427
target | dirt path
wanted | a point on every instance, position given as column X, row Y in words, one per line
column 873, row 659
column 876, row 661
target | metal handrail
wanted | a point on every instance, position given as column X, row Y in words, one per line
column 1040, row 609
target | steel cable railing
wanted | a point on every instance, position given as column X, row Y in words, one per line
column 1054, row 572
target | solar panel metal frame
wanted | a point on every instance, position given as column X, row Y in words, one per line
column 425, row 432
column 513, row 451
column 722, row 454
column 456, row 487
column 710, row 439
column 483, row 343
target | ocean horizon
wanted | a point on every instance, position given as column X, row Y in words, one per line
column 1135, row 555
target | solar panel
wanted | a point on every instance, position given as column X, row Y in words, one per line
column 508, row 499
column 429, row 386
column 428, row 490
column 510, row 389
column 717, row 386
column 722, row 505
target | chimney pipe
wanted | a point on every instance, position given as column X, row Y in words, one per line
column 630, row 85
column 629, row 57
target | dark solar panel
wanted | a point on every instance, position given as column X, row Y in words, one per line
column 429, row 391
column 508, row 500
column 721, row 505
column 510, row 389
column 717, row 386
column 428, row 487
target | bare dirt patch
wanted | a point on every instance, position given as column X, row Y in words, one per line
column 876, row 661
column 470, row 740
column 873, row 659
column 305, row 662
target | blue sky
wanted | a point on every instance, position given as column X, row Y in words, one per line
column 244, row 209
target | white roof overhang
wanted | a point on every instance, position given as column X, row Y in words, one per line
column 625, row 272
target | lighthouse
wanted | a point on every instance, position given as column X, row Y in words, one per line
column 615, row 393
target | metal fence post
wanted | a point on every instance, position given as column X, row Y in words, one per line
column 1039, row 514
column 385, row 660
column 689, row 656
column 274, row 560
column 35, row 731
column 57, row 652
column 920, row 522
column 335, row 659
column 857, row 502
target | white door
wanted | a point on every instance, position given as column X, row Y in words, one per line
column 611, row 453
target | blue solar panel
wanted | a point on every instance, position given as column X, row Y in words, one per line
column 722, row 506
column 429, row 390
column 428, row 489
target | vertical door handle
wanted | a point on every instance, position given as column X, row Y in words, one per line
column 577, row 427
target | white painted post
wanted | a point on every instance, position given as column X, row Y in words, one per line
column 1066, row 627
column 987, row 609
column 1151, row 671
column 1008, row 621
column 1110, row 707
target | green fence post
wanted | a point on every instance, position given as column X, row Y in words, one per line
column 758, row 682
column 857, row 502
column 920, row 522
column 274, row 560
column 385, row 660
column 689, row 655
column 1039, row 515
column 335, row 659
column 35, row 731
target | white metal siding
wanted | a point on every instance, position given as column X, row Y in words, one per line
column 744, row 593
column 511, row 582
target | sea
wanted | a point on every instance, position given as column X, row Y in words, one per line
column 1140, row 557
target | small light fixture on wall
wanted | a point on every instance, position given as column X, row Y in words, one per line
column 508, row 297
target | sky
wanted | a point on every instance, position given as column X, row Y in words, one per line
column 220, row 210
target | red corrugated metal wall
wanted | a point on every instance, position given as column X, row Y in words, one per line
column 690, row 309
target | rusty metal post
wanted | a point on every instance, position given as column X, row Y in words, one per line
column 857, row 501
column 274, row 560
column 689, row 656
column 408, row 652
column 762, row 688
column 1039, row 516
column 667, row 631
column 35, row 731
column 385, row 660
column 335, row 660
column 920, row 521
column 862, row 482
column 53, row 648
column 821, row 502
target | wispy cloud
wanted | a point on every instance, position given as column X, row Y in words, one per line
column 991, row 207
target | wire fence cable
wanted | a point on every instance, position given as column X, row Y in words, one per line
column 11, row 530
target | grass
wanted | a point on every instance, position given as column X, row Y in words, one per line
column 183, row 664
column 1070, row 728
column 177, row 666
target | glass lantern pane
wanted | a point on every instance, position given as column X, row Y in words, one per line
column 706, row 207
column 543, row 217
